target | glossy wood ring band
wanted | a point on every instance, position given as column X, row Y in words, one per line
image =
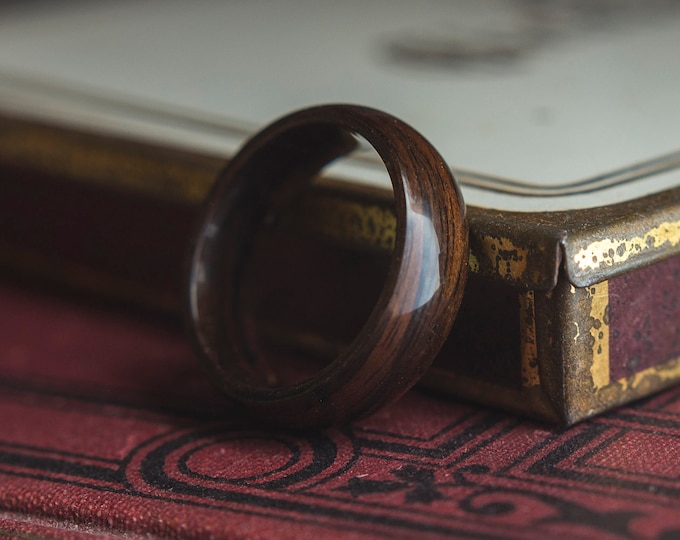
column 416, row 307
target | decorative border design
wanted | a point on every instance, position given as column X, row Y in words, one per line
column 469, row 474
column 616, row 250
column 604, row 388
column 599, row 330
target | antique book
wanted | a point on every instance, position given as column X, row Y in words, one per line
column 558, row 123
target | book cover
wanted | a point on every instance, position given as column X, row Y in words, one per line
column 559, row 130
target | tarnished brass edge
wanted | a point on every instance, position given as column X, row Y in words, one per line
column 528, row 342
column 605, row 391
column 580, row 326
column 627, row 389
column 553, row 313
column 573, row 331
column 616, row 250
column 507, row 259
column 588, row 387
column 518, row 249
column 646, row 381
column 624, row 237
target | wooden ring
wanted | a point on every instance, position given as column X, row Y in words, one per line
column 419, row 301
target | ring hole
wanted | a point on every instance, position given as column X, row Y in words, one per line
column 317, row 268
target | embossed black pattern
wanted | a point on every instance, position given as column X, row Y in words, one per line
column 479, row 474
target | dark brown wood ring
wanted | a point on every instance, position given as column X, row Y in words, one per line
column 417, row 305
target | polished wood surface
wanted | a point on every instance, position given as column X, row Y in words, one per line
column 418, row 303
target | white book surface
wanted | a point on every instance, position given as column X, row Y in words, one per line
column 537, row 106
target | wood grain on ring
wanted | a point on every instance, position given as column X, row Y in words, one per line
column 419, row 300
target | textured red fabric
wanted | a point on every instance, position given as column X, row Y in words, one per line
column 644, row 328
column 109, row 428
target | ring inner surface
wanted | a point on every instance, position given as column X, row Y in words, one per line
column 314, row 257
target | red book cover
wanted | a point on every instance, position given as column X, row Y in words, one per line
column 110, row 429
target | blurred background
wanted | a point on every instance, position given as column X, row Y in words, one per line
column 543, row 92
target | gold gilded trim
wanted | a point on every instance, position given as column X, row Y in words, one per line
column 641, row 383
column 611, row 251
column 667, row 371
column 507, row 259
column 473, row 263
column 359, row 223
column 529, row 347
column 599, row 313
column 98, row 160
